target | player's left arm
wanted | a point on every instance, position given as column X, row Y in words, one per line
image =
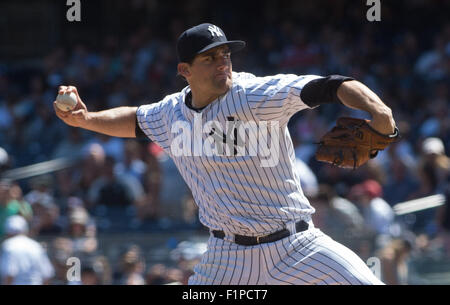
column 356, row 95
column 351, row 93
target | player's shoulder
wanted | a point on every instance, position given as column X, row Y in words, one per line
column 174, row 99
column 250, row 81
column 243, row 76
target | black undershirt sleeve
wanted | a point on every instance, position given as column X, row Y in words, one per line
column 138, row 131
column 323, row 90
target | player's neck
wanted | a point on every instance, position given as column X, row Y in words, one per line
column 202, row 99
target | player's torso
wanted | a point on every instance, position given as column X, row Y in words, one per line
column 238, row 167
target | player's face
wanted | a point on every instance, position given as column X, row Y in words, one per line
column 211, row 71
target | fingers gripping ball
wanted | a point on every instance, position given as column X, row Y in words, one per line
column 66, row 101
column 352, row 142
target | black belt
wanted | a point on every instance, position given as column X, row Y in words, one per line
column 255, row 240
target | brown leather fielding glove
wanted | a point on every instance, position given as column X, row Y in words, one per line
column 352, row 142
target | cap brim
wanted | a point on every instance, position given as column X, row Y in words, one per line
column 234, row 45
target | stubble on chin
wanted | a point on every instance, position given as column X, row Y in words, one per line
column 224, row 85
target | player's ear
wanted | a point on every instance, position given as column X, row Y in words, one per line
column 183, row 69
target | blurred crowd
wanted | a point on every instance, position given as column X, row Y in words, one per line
column 120, row 185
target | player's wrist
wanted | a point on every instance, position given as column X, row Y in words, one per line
column 85, row 119
column 383, row 121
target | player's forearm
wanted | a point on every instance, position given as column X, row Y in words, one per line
column 117, row 122
column 356, row 95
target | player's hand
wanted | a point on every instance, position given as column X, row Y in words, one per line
column 78, row 115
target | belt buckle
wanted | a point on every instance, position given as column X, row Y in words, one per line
column 257, row 239
column 229, row 238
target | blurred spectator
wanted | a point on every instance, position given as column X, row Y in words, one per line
column 401, row 182
column 17, row 199
column 436, row 122
column 443, row 221
column 81, row 242
column 378, row 214
column 5, row 210
column 113, row 147
column 70, row 146
column 131, row 267
column 149, row 205
column 90, row 170
column 89, row 275
column 46, row 214
column 111, row 190
column 431, row 64
column 60, row 251
column 133, row 165
column 433, row 171
column 433, row 167
column 190, row 211
column 39, row 134
column 305, row 131
column 6, row 116
column 46, row 217
column 156, row 275
column 12, row 203
column 82, row 232
column 4, row 160
column 186, row 255
column 372, row 170
column 23, row 261
column 435, row 162
column 67, row 185
column 172, row 188
column 95, row 271
column 394, row 259
column 308, row 179
column 338, row 217
column 40, row 186
column 175, row 276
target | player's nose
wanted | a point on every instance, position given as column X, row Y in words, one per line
column 223, row 63
column 222, row 68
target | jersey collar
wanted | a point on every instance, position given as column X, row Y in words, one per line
column 186, row 103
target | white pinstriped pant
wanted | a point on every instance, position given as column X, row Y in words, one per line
column 308, row 257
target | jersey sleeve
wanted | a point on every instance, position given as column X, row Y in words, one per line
column 152, row 121
column 276, row 98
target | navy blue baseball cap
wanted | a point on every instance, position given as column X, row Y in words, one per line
column 202, row 38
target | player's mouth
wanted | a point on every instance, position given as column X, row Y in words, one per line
column 222, row 75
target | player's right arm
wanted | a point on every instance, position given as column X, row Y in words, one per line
column 117, row 122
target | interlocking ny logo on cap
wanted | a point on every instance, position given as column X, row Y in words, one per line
column 201, row 38
column 214, row 30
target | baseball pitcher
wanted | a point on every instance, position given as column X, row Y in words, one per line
column 227, row 134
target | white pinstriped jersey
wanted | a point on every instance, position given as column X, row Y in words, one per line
column 234, row 192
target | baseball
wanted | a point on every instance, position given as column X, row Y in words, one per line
column 66, row 101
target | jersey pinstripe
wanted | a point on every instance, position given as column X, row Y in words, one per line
column 234, row 192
